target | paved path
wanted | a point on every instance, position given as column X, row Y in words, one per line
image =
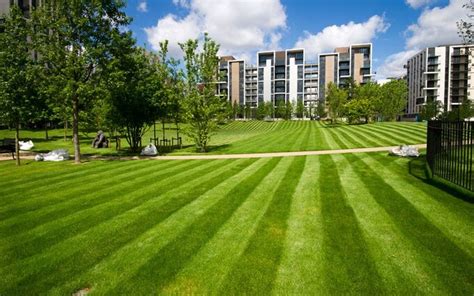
column 235, row 156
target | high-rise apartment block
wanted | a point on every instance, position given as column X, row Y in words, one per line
column 25, row 5
column 282, row 76
column 442, row 73
column 345, row 63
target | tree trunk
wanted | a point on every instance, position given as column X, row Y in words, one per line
column 65, row 129
column 17, row 144
column 46, row 131
column 75, row 128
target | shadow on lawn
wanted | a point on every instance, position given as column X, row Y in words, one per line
column 417, row 168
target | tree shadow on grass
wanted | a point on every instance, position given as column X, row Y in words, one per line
column 417, row 168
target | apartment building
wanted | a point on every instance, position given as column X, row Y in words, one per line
column 25, row 5
column 280, row 76
column 284, row 75
column 236, row 81
column 442, row 73
column 251, row 74
column 345, row 63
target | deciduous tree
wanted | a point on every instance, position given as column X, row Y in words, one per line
column 76, row 40
column 203, row 109
column 335, row 99
column 18, row 83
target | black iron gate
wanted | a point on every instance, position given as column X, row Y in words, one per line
column 449, row 151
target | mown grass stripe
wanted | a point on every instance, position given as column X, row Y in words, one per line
column 333, row 140
column 300, row 271
column 453, row 216
column 206, row 271
column 40, row 199
column 124, row 262
column 349, row 138
column 52, row 176
column 408, row 126
column 41, row 187
column 301, row 139
column 395, row 135
column 341, row 142
column 47, row 234
column 383, row 140
column 411, row 130
column 256, row 270
column 391, row 135
column 125, row 227
column 451, row 265
column 9, row 171
column 347, row 259
column 368, row 138
column 85, row 200
column 395, row 259
column 161, row 268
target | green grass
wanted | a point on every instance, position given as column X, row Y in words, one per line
column 341, row 224
column 260, row 136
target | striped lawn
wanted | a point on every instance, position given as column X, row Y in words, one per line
column 341, row 224
column 261, row 136
column 282, row 136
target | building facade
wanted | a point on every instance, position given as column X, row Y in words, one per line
column 444, row 74
column 285, row 76
column 280, row 76
column 25, row 5
column 344, row 64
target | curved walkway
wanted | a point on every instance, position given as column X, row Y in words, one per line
column 236, row 156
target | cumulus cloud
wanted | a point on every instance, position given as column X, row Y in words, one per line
column 336, row 36
column 142, row 6
column 435, row 26
column 419, row 3
column 393, row 64
column 240, row 27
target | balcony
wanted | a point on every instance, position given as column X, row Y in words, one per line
column 420, row 101
column 459, row 60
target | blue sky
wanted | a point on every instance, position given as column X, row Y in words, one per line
column 397, row 28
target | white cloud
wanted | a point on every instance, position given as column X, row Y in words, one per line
column 419, row 3
column 240, row 27
column 343, row 35
column 142, row 6
column 393, row 65
column 435, row 26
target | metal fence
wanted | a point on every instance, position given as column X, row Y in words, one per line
column 449, row 151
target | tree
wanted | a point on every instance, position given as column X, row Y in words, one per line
column 351, row 87
column 335, row 99
column 371, row 93
column 466, row 110
column 76, row 40
column 235, row 110
column 358, row 108
column 168, row 96
column 280, row 111
column 17, row 73
column 269, row 110
column 431, row 110
column 321, row 109
column 300, row 109
column 465, row 28
column 203, row 108
column 288, row 110
column 261, row 111
column 133, row 81
column 393, row 99
column 248, row 111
